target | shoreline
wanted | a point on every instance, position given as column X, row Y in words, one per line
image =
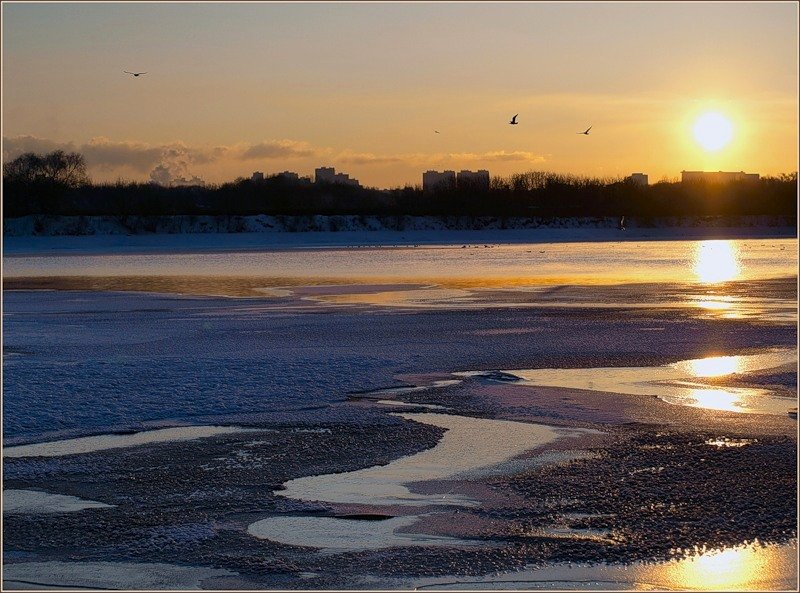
column 67, row 244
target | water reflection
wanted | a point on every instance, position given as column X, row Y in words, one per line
column 715, row 399
column 681, row 382
column 722, row 570
column 716, row 261
column 752, row 567
column 715, row 366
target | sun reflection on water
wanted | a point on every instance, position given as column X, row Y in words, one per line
column 715, row 366
column 715, row 399
column 716, row 261
column 726, row 570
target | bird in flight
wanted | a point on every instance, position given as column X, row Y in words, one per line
column 586, row 132
column 134, row 73
column 436, row 131
column 514, row 121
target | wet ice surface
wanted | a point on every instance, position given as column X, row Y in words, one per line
column 116, row 441
column 455, row 455
column 750, row 567
column 343, row 535
column 84, row 363
column 554, row 263
column 34, row 501
column 677, row 383
column 75, row 373
column 106, row 575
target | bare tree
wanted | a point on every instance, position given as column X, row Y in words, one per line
column 66, row 169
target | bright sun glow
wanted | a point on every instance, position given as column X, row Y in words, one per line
column 716, row 366
column 716, row 261
column 713, row 131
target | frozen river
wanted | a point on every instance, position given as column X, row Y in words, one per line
column 176, row 423
column 483, row 264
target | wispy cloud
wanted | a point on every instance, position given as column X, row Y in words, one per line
column 456, row 158
column 277, row 149
column 368, row 158
column 497, row 156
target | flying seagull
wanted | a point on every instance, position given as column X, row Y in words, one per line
column 514, row 121
column 586, row 132
column 134, row 73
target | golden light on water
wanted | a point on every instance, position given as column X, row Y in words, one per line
column 728, row 570
column 716, row 261
column 715, row 399
column 715, row 366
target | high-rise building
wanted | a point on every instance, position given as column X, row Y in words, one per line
column 639, row 178
column 329, row 175
column 435, row 181
column 257, row 176
column 717, row 176
column 474, row 180
column 324, row 174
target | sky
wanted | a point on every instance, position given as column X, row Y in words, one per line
column 363, row 87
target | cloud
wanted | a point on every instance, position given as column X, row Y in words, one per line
column 13, row 147
column 422, row 159
column 107, row 154
column 277, row 149
column 498, row 156
column 367, row 158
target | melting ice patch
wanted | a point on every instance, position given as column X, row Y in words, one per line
column 106, row 575
column 35, row 502
column 115, row 441
column 342, row 535
column 673, row 383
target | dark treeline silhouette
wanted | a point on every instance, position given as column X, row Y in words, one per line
column 57, row 184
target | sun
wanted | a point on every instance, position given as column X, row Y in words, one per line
column 713, row 131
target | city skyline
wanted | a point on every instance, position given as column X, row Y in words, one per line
column 386, row 91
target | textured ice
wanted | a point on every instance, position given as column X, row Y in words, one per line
column 454, row 455
column 347, row 534
column 116, row 441
column 106, row 575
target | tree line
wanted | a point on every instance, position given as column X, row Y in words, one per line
column 58, row 184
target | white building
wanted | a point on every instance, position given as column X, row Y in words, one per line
column 639, row 178
column 473, row 180
column 433, row 180
column 717, row 176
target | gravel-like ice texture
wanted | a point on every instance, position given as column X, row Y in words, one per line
column 456, row 454
column 106, row 575
column 89, row 363
column 22, row 502
column 94, row 363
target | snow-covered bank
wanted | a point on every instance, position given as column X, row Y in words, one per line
column 237, row 233
column 185, row 224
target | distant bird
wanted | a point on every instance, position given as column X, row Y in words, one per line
column 436, row 131
column 134, row 73
column 586, row 132
column 514, row 121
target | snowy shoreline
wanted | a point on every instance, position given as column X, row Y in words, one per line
column 33, row 235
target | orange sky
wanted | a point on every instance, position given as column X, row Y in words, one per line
column 231, row 89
